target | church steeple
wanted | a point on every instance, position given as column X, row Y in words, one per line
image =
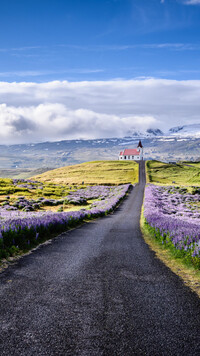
column 140, row 144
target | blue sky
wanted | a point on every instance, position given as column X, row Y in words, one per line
column 75, row 40
column 73, row 69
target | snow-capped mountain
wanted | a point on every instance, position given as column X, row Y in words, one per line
column 192, row 130
column 186, row 130
column 148, row 133
column 154, row 132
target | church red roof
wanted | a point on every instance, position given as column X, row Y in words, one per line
column 130, row 152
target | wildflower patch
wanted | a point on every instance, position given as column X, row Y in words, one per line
column 22, row 228
column 172, row 215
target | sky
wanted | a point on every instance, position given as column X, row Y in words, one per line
column 74, row 69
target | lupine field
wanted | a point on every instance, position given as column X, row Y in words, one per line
column 172, row 215
column 27, row 220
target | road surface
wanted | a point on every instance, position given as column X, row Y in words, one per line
column 98, row 290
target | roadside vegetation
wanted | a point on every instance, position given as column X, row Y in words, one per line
column 166, row 173
column 172, row 216
column 170, row 219
column 186, row 271
column 97, row 172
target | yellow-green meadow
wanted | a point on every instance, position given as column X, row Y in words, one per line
column 97, row 172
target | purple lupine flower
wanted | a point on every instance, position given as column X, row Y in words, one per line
column 17, row 221
column 165, row 209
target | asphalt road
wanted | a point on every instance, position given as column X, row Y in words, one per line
column 98, row 290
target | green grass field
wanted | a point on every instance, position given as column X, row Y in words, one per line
column 165, row 173
column 98, row 172
column 189, row 163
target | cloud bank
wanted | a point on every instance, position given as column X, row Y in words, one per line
column 32, row 112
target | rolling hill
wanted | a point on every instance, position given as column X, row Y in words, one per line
column 97, row 172
column 166, row 173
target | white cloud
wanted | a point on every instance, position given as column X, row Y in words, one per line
column 32, row 112
column 171, row 46
column 192, row 2
column 35, row 73
column 25, row 51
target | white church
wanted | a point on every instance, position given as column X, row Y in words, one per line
column 132, row 154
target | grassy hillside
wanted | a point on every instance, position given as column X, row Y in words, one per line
column 98, row 172
column 165, row 173
column 189, row 163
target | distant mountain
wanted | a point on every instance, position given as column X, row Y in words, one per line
column 186, row 130
column 148, row 133
column 155, row 132
column 192, row 130
column 20, row 160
